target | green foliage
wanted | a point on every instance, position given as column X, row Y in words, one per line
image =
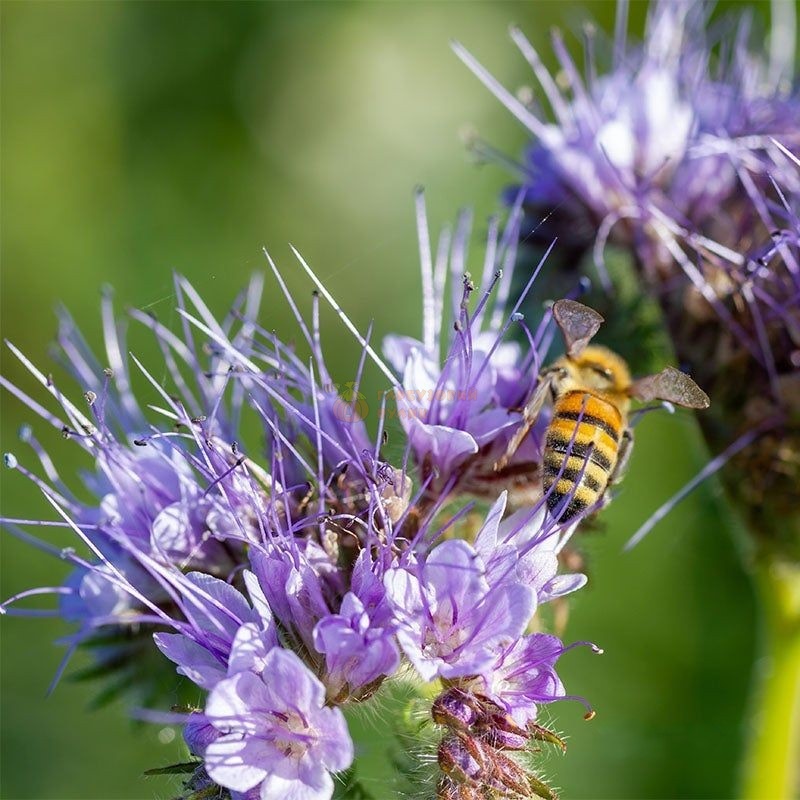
column 126, row 666
column 348, row 787
column 187, row 767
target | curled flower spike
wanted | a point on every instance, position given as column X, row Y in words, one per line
column 462, row 612
column 706, row 204
column 682, row 154
column 663, row 134
column 159, row 492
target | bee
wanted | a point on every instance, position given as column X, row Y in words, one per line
column 588, row 441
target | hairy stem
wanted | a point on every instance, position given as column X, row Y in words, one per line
column 772, row 765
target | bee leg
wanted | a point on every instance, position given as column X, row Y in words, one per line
column 621, row 467
column 623, row 457
column 529, row 415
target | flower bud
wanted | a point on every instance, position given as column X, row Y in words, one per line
column 460, row 758
column 543, row 734
column 503, row 739
column 447, row 789
column 511, row 775
column 455, row 709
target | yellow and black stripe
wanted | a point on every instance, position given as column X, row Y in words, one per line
column 593, row 451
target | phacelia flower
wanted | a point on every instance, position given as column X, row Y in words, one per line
column 157, row 492
column 452, row 622
column 524, row 676
column 357, row 652
column 662, row 139
column 682, row 153
column 289, row 581
column 277, row 732
column 523, row 547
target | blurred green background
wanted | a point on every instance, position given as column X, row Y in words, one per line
column 141, row 138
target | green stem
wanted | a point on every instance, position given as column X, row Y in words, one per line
column 772, row 765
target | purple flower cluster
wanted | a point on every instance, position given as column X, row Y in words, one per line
column 289, row 579
column 293, row 581
column 682, row 152
column 649, row 151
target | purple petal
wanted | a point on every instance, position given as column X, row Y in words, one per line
column 522, row 527
column 446, row 447
column 198, row 735
column 222, row 606
column 250, row 648
column 258, row 599
column 537, row 568
column 316, row 784
column 171, row 532
column 486, row 540
column 397, row 349
column 563, row 584
column 335, row 748
column 504, row 615
column 489, row 425
column 403, row 590
column 193, row 660
column 426, row 665
column 237, row 763
column 240, row 703
column 454, row 571
column 101, row 596
column 291, row 683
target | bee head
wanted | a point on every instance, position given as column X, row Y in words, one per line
column 596, row 368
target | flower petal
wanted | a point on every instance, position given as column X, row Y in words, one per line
column 290, row 682
column 237, row 763
column 316, row 784
column 240, row 703
column 194, row 661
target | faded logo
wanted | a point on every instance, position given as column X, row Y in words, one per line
column 351, row 405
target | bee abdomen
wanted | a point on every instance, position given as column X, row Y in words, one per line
column 580, row 452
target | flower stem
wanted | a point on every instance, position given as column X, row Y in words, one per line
column 772, row 765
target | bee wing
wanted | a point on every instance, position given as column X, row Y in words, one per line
column 529, row 416
column 672, row 385
column 578, row 324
